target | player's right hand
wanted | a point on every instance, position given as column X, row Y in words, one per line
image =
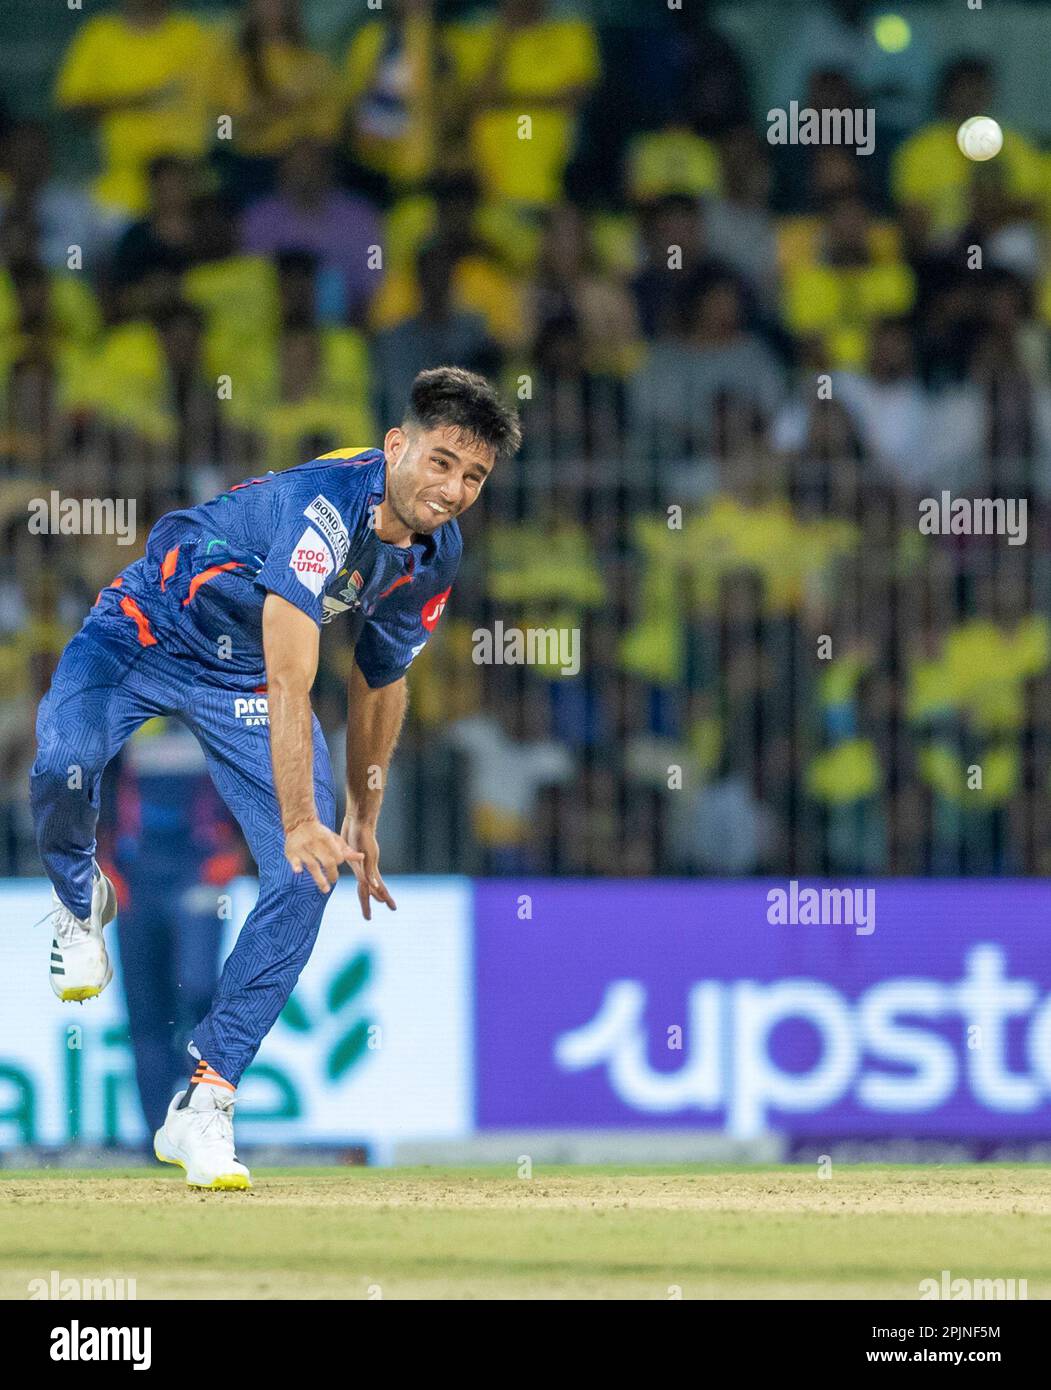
column 314, row 847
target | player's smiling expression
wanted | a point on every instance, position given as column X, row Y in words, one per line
column 432, row 476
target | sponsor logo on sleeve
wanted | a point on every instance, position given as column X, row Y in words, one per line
column 434, row 608
column 312, row 561
column 328, row 521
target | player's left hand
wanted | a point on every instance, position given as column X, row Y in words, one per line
column 366, row 870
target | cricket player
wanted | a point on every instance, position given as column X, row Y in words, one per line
column 218, row 625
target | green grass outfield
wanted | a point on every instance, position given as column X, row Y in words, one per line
column 868, row 1231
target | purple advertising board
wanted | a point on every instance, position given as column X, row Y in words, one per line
column 890, row 1008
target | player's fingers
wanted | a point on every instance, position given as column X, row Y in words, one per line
column 330, row 865
column 381, row 892
column 314, row 868
column 335, row 852
column 341, row 851
column 363, row 899
column 376, row 887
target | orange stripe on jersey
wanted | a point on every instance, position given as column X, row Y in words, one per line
column 404, row 579
column 116, row 583
column 205, row 575
column 168, row 566
column 142, row 623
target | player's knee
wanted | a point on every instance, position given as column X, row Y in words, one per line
column 60, row 771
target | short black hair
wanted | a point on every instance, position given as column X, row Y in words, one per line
column 453, row 397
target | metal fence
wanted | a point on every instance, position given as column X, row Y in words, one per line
column 778, row 671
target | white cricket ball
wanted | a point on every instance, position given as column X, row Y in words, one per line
column 980, row 137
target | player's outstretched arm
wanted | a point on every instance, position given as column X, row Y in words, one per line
column 290, row 648
column 374, row 720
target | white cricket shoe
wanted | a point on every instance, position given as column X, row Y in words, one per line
column 80, row 967
column 199, row 1137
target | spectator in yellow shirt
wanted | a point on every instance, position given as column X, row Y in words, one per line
column 277, row 89
column 855, row 280
column 394, row 127
column 483, row 281
column 524, row 67
column 147, row 381
column 48, row 323
column 931, row 179
column 143, row 76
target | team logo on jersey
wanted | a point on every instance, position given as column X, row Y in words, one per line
column 252, row 709
column 346, row 601
column 434, row 608
column 328, row 521
column 311, row 561
column 331, row 608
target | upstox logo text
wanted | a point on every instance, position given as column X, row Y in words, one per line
column 880, row 1052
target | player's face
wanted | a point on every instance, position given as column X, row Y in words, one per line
column 434, row 475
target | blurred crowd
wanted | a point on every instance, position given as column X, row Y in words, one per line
column 740, row 367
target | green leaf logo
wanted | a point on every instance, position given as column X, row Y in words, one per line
column 343, row 989
column 349, row 1048
column 350, row 981
column 294, row 1015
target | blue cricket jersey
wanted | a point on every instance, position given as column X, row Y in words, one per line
column 305, row 534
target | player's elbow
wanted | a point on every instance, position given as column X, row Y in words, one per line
column 289, row 671
column 290, row 646
column 287, row 681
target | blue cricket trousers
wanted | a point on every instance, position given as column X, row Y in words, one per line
column 107, row 684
